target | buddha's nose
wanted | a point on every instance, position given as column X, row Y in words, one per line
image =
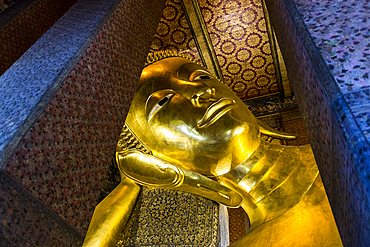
column 201, row 93
column 196, row 92
column 203, row 96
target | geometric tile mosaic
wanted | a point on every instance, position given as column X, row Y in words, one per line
column 341, row 31
column 63, row 157
column 20, row 32
column 25, row 221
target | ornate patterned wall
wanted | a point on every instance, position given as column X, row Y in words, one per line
column 23, row 30
column 171, row 218
column 25, row 221
column 292, row 123
column 63, row 157
column 238, row 223
column 173, row 32
column 337, row 137
column 239, row 36
column 238, row 32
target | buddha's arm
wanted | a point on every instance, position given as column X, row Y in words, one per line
column 111, row 215
column 151, row 171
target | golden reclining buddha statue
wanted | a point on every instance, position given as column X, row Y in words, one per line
column 187, row 131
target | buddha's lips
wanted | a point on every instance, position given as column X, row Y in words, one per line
column 215, row 111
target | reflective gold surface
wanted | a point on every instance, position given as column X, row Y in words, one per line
column 153, row 172
column 185, row 130
column 309, row 223
column 276, row 177
column 111, row 215
column 201, row 125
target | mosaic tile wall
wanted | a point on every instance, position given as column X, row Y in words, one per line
column 340, row 146
column 341, row 31
column 238, row 32
column 173, row 32
column 63, row 157
column 238, row 223
column 23, row 30
column 25, row 221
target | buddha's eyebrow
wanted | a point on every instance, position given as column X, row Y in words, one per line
column 186, row 70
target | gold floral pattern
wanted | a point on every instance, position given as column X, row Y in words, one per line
column 173, row 32
column 171, row 218
column 238, row 33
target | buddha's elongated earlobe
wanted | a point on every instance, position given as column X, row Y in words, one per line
column 269, row 131
column 148, row 170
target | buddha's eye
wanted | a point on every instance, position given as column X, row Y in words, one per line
column 157, row 100
column 202, row 77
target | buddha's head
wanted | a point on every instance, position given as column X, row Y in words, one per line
column 185, row 115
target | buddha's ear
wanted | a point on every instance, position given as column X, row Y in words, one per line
column 269, row 131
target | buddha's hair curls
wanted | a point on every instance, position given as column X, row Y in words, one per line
column 159, row 55
column 128, row 140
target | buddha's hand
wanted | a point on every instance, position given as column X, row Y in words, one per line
column 148, row 170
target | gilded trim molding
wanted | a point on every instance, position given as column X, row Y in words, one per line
column 273, row 46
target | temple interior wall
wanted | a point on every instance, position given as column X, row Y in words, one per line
column 52, row 169
column 24, row 23
column 61, row 160
column 324, row 47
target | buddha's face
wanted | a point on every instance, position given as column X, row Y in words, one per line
column 186, row 116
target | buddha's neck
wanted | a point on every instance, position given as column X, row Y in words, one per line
column 272, row 173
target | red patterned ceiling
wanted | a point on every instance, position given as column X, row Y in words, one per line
column 237, row 29
column 173, row 32
column 238, row 32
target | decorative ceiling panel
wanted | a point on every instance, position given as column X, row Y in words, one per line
column 237, row 29
column 173, row 32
